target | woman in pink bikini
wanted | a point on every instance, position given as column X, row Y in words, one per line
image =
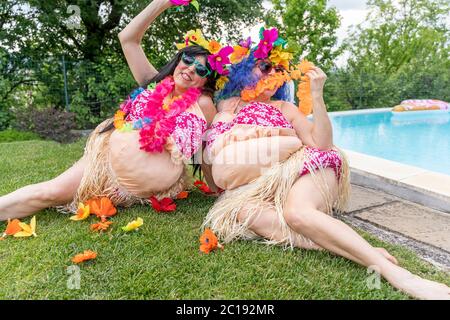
column 282, row 174
column 143, row 151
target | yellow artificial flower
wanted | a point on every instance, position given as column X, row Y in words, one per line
column 195, row 36
column 281, row 58
column 221, row 82
column 27, row 230
column 83, row 213
column 133, row 225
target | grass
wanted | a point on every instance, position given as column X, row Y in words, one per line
column 11, row 135
column 162, row 260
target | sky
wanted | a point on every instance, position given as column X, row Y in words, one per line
column 352, row 12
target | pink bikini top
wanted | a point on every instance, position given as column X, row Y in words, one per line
column 255, row 113
column 189, row 129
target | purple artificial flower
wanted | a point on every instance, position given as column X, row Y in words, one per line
column 246, row 43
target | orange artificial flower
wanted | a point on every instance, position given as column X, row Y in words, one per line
column 304, row 87
column 102, row 207
column 12, row 228
column 119, row 119
column 101, row 226
column 305, row 66
column 209, row 242
column 271, row 82
column 305, row 98
column 238, row 54
column 214, row 46
column 183, row 195
column 85, row 256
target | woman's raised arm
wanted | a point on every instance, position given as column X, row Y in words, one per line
column 131, row 36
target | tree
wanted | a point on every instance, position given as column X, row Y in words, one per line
column 40, row 33
column 309, row 26
column 400, row 34
column 401, row 51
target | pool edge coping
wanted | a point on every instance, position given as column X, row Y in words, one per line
column 405, row 181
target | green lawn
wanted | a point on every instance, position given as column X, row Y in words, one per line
column 162, row 260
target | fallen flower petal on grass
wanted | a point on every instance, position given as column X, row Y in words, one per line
column 102, row 207
column 12, row 228
column 183, row 195
column 101, row 226
column 203, row 187
column 209, row 242
column 85, row 256
column 133, row 225
column 83, row 213
column 27, row 230
column 165, row 205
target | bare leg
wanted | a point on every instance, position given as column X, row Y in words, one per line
column 33, row 198
column 267, row 225
column 304, row 216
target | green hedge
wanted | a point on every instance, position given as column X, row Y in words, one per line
column 11, row 135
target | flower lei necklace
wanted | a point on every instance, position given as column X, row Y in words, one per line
column 277, row 80
column 158, row 119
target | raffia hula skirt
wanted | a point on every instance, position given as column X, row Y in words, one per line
column 117, row 169
column 271, row 190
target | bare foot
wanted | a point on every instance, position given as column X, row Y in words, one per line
column 416, row 286
column 387, row 255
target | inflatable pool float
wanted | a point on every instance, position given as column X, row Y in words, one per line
column 421, row 111
column 421, row 105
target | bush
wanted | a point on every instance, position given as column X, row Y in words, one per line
column 5, row 119
column 12, row 135
column 50, row 123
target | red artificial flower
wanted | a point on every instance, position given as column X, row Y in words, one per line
column 165, row 205
column 203, row 187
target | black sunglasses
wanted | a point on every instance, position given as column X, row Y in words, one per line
column 200, row 69
column 266, row 67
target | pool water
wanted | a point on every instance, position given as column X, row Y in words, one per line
column 417, row 139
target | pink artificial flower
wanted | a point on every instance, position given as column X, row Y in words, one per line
column 180, row 2
column 266, row 44
column 220, row 59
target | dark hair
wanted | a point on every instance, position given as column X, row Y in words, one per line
column 169, row 69
column 210, row 86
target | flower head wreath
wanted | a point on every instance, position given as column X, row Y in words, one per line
column 274, row 48
column 219, row 58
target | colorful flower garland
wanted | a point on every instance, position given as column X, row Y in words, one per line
column 158, row 118
column 277, row 80
column 272, row 82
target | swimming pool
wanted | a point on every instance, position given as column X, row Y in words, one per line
column 420, row 139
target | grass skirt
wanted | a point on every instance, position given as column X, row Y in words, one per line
column 272, row 189
column 99, row 179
